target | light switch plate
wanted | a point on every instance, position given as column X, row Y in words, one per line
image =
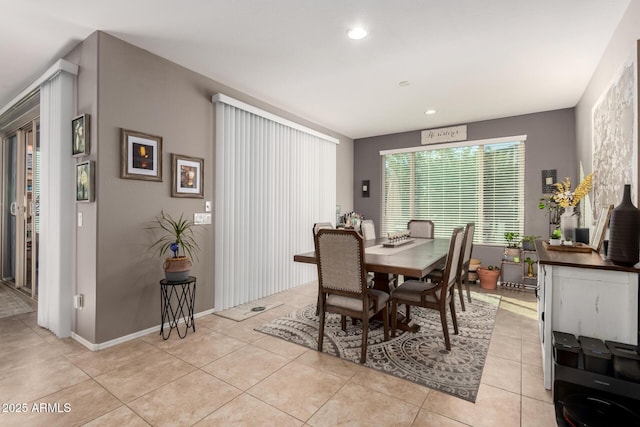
column 207, row 206
column 202, row 218
column 79, row 219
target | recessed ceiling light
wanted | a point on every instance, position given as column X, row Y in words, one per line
column 357, row 33
column 430, row 112
column 404, row 83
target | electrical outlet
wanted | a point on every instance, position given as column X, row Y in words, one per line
column 202, row 218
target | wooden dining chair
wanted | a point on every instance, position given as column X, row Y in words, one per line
column 368, row 229
column 317, row 227
column 463, row 265
column 435, row 296
column 422, row 228
column 343, row 283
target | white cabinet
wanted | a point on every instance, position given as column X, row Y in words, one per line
column 587, row 297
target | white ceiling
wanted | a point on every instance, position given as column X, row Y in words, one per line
column 468, row 59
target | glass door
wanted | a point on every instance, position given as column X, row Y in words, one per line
column 20, row 217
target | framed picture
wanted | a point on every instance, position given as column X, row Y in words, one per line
column 187, row 176
column 85, row 181
column 140, row 156
column 80, row 131
column 601, row 228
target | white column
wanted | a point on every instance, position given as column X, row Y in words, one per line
column 57, row 212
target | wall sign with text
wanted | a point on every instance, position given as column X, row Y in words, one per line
column 450, row 134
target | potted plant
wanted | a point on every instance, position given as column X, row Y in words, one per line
column 529, row 243
column 556, row 237
column 530, row 263
column 513, row 249
column 488, row 276
column 177, row 236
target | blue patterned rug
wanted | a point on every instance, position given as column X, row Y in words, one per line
column 419, row 357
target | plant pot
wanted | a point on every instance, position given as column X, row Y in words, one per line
column 555, row 242
column 528, row 245
column 488, row 278
column 177, row 269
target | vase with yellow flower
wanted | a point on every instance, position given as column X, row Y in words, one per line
column 568, row 200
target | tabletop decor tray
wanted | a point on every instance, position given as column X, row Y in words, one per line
column 395, row 244
column 576, row 247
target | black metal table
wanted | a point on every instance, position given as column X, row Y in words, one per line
column 176, row 303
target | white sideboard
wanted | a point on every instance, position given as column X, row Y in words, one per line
column 581, row 294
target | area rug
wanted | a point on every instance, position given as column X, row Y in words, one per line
column 248, row 310
column 11, row 304
column 419, row 357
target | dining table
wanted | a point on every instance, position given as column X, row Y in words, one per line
column 387, row 260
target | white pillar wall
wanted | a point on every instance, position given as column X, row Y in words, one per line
column 57, row 212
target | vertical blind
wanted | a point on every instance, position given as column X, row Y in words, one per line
column 274, row 180
column 478, row 181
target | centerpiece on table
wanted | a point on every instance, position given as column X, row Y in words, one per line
column 568, row 200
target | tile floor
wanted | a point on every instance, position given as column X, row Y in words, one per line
column 227, row 374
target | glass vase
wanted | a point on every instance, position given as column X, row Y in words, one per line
column 568, row 224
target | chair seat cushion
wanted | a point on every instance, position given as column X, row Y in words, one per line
column 413, row 290
column 355, row 304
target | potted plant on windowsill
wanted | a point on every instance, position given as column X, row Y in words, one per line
column 177, row 236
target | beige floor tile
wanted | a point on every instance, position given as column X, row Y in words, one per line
column 143, row 375
column 67, row 346
column 97, row 363
column 215, row 322
column 536, row 413
column 493, row 407
column 246, row 367
column 37, row 380
column 72, row 406
column 246, row 410
column 26, row 356
column 512, row 329
column 184, row 401
column 174, row 340
column 204, row 349
column 123, row 416
column 430, row 419
column 531, row 330
column 297, row 389
column 334, row 365
column 502, row 373
column 533, row 383
column 22, row 337
column 280, row 346
column 532, row 353
column 245, row 330
column 506, row 347
column 356, row 405
column 398, row 388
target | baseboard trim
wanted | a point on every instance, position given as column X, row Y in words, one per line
column 101, row 346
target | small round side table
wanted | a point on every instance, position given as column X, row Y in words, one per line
column 176, row 303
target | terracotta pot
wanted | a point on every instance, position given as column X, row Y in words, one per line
column 488, row 278
column 176, row 269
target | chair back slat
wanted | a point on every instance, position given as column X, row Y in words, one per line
column 368, row 229
column 421, row 228
column 468, row 242
column 453, row 259
column 340, row 255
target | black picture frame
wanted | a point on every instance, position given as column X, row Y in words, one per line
column 81, row 135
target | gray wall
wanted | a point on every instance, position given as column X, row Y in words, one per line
column 123, row 86
column 623, row 45
column 550, row 145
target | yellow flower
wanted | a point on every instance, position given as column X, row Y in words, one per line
column 565, row 197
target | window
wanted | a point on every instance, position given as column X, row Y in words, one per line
column 475, row 181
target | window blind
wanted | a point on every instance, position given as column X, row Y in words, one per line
column 481, row 182
column 274, row 180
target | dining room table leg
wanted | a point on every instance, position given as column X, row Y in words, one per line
column 386, row 282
